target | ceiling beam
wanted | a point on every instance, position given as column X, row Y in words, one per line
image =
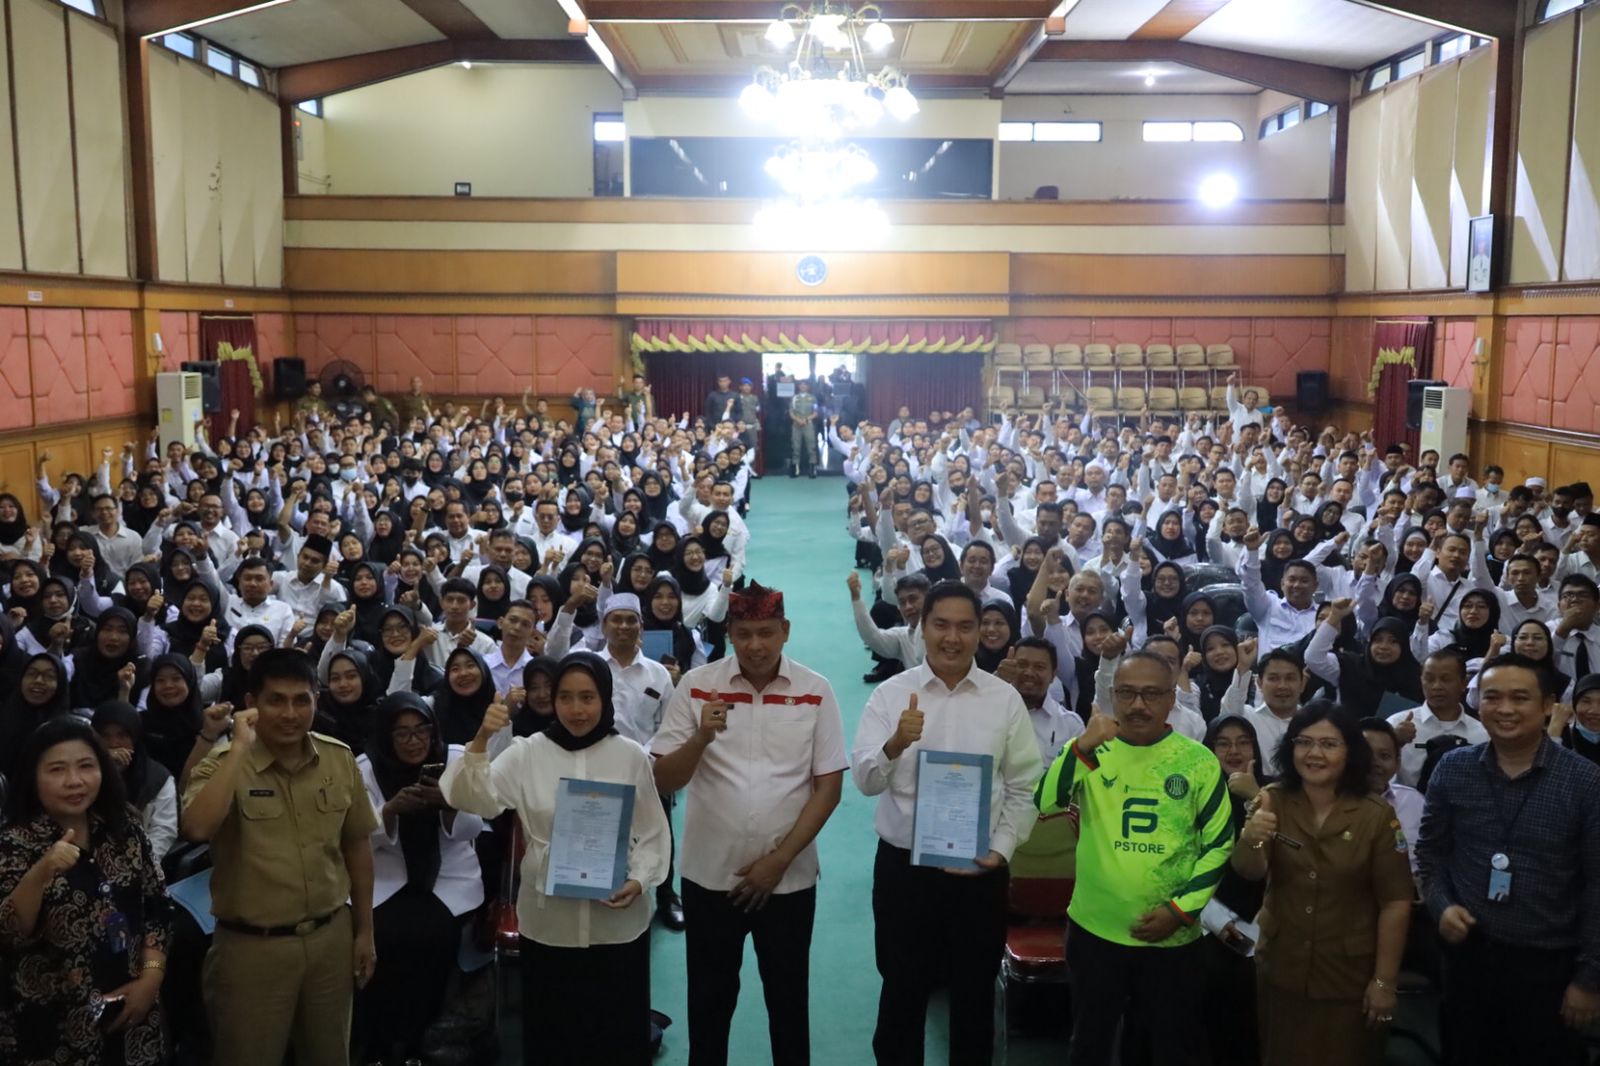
column 1054, row 26
column 452, row 18
column 767, row 10
column 147, row 18
column 1485, row 18
column 1177, row 19
column 307, row 81
column 728, row 85
column 1330, row 85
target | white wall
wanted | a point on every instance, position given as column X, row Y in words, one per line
column 1299, row 158
column 1122, row 166
column 511, row 130
column 312, row 163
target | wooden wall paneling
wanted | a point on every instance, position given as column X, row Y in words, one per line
column 237, row 196
column 16, row 476
column 1361, row 194
column 851, row 273
column 1520, row 456
column 1544, row 131
column 406, row 272
column 267, row 155
column 1194, row 275
column 1432, row 174
column 1571, row 462
column 1580, row 258
column 1470, row 153
column 101, row 140
column 167, row 165
column 1396, row 165
column 10, row 216
column 44, row 152
column 201, row 120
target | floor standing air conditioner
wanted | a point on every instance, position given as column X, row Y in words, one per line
column 1444, row 420
column 178, row 406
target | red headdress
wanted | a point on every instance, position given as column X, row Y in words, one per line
column 756, row 603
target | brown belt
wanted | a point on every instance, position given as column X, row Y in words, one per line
column 310, row 925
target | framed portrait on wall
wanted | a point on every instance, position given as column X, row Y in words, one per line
column 1480, row 253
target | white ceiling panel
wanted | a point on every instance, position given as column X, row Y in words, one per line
column 309, row 30
column 521, row 19
column 1109, row 20
column 1056, row 78
column 1334, row 32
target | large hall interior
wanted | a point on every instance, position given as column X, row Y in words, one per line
column 1379, row 217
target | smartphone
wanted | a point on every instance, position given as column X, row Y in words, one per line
column 434, row 770
column 110, row 1009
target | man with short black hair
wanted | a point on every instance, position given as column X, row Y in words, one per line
column 1029, row 667
column 1574, row 630
column 458, row 602
column 1509, row 856
column 1442, row 714
column 256, row 605
column 290, row 828
column 1284, row 616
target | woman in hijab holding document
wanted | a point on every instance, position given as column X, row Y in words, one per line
column 585, row 930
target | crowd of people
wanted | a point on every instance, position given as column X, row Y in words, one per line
column 1322, row 715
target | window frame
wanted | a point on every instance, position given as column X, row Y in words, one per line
column 92, row 8
column 1279, row 120
column 228, row 65
column 312, row 107
column 193, row 43
column 1072, row 124
column 601, row 118
column 1545, row 14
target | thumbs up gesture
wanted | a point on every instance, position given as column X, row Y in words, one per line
column 1262, row 824
column 1102, row 728
column 1009, row 668
column 1406, row 731
column 1242, row 783
column 62, row 856
column 907, row 732
column 495, row 718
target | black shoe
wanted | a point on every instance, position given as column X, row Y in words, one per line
column 882, row 672
column 671, row 910
column 813, row 474
column 794, row 473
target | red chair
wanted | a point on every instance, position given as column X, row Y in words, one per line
column 1043, row 874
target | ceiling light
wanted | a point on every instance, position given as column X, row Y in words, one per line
column 466, row 64
column 1218, row 190
column 757, row 101
column 878, row 36
column 829, row 30
column 899, row 102
column 1149, row 80
column 780, row 34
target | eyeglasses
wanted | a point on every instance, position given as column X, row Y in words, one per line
column 398, row 630
column 1574, row 596
column 1149, row 696
column 416, row 732
column 1328, row 744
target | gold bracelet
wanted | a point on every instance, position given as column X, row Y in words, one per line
column 154, row 964
column 1258, row 845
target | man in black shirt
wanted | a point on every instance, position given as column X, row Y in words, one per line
column 1509, row 858
column 722, row 403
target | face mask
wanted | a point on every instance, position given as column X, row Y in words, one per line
column 347, row 474
column 1587, row 734
column 1492, row 488
column 514, row 497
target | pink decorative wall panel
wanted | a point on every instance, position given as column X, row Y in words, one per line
column 59, row 361
column 415, row 346
column 1576, row 404
column 1140, row 331
column 1053, row 331
column 1452, row 360
column 109, row 344
column 16, row 376
column 1526, row 373
column 494, row 353
column 325, row 338
column 1280, row 348
column 180, row 335
column 575, row 352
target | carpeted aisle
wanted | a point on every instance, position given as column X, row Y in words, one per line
column 799, row 545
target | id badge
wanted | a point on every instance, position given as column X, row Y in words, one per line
column 1499, row 886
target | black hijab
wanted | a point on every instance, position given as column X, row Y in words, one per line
column 527, row 721
column 460, row 716
column 623, row 579
column 950, row 569
column 170, row 732
column 692, row 582
column 143, row 777
column 491, row 610
column 21, row 718
column 235, row 677
column 1187, row 640
column 1363, row 682
column 1019, row 579
column 419, row 830
column 1266, row 510
column 1548, row 663
column 125, row 599
column 94, row 676
column 1387, row 609
column 1165, row 546
column 715, row 547
column 1211, row 684
column 1158, row 609
column 385, row 549
column 596, row 668
column 663, row 558
column 990, row 660
column 349, row 722
column 1271, row 565
column 13, row 531
column 370, row 610
column 424, row 675
column 683, row 646
column 183, row 635
column 1474, row 643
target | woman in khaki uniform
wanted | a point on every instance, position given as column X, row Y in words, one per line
column 1338, row 899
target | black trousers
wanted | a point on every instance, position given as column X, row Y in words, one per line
column 417, row 939
column 1502, row 1004
column 1154, row 987
column 664, row 889
column 1228, row 999
column 933, row 928
column 586, row 1005
column 716, row 932
column 886, row 615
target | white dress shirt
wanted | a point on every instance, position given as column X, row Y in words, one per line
column 524, row 778
column 1277, row 622
column 305, row 599
column 1054, row 727
column 507, row 676
column 1429, row 725
column 897, row 642
column 459, row 884
column 639, row 690
column 981, row 715
column 756, row 777
column 271, row 612
column 1407, row 803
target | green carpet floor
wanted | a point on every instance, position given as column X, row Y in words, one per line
column 798, row 544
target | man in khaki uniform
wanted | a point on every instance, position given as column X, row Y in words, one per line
column 289, row 824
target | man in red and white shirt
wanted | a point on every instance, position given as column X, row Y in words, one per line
column 758, row 741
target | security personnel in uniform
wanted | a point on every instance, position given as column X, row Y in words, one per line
column 802, row 434
column 289, row 824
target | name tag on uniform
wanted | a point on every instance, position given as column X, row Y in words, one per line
column 263, row 792
column 652, row 693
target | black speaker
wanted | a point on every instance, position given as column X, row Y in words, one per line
column 1311, row 391
column 288, row 379
column 210, row 385
column 1414, row 400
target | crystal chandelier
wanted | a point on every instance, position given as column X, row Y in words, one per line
column 827, row 88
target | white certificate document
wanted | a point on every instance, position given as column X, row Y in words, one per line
column 951, row 827
column 589, row 839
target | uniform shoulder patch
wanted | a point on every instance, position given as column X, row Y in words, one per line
column 1176, row 786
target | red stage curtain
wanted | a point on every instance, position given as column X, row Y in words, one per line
column 1402, row 349
column 681, row 381
column 238, row 391
column 923, row 383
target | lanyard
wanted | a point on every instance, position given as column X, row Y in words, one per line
column 1499, row 806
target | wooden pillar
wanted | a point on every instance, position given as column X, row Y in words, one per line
column 141, row 169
